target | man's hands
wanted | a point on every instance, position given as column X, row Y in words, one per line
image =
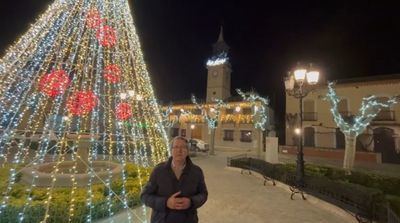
column 178, row 203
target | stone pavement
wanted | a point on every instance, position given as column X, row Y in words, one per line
column 237, row 198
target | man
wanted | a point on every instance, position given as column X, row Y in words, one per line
column 176, row 188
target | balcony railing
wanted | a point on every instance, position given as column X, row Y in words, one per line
column 309, row 116
column 385, row 116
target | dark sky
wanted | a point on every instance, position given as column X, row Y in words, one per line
column 267, row 38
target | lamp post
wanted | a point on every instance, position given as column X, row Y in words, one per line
column 298, row 84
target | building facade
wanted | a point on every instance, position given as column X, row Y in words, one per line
column 381, row 140
column 235, row 129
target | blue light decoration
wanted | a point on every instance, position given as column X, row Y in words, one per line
column 81, row 38
column 259, row 113
column 218, row 59
column 370, row 107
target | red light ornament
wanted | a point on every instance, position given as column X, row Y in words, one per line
column 82, row 102
column 54, row 83
column 93, row 19
column 112, row 73
column 123, row 111
column 106, row 36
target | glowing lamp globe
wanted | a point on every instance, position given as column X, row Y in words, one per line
column 312, row 77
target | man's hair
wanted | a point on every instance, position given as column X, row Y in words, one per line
column 179, row 138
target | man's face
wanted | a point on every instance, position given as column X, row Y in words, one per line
column 179, row 150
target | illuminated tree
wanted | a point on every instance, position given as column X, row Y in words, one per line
column 370, row 107
column 211, row 114
column 259, row 114
column 78, row 73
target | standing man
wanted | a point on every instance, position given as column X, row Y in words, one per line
column 176, row 188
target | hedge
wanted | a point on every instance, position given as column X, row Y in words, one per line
column 60, row 203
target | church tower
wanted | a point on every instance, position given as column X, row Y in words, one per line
column 219, row 71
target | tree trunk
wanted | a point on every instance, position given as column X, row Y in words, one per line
column 212, row 140
column 350, row 152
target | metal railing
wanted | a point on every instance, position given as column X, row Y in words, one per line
column 392, row 216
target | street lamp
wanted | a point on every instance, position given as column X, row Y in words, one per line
column 298, row 84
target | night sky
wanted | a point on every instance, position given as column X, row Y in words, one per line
column 267, row 38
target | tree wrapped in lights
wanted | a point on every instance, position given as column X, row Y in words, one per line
column 66, row 76
column 370, row 107
column 259, row 112
column 168, row 122
column 211, row 115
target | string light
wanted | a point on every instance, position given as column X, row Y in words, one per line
column 259, row 114
column 218, row 59
column 369, row 109
column 64, row 77
column 212, row 112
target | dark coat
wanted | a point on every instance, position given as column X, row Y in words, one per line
column 163, row 183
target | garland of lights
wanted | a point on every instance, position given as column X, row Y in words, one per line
column 218, row 59
column 211, row 113
column 369, row 109
column 65, row 76
column 262, row 112
column 167, row 122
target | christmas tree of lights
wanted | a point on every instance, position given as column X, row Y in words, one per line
column 211, row 114
column 370, row 107
column 77, row 110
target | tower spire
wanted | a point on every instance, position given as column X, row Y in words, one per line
column 221, row 34
column 220, row 46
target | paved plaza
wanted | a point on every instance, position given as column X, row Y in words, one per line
column 242, row 198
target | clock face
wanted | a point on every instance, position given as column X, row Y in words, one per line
column 215, row 73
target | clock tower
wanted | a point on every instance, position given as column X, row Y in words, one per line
column 219, row 71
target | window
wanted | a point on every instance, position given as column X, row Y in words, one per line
column 309, row 113
column 245, row 135
column 228, row 135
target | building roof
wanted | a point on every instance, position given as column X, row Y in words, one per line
column 369, row 79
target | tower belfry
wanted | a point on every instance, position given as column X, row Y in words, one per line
column 219, row 71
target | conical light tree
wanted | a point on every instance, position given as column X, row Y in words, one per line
column 76, row 110
column 370, row 107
